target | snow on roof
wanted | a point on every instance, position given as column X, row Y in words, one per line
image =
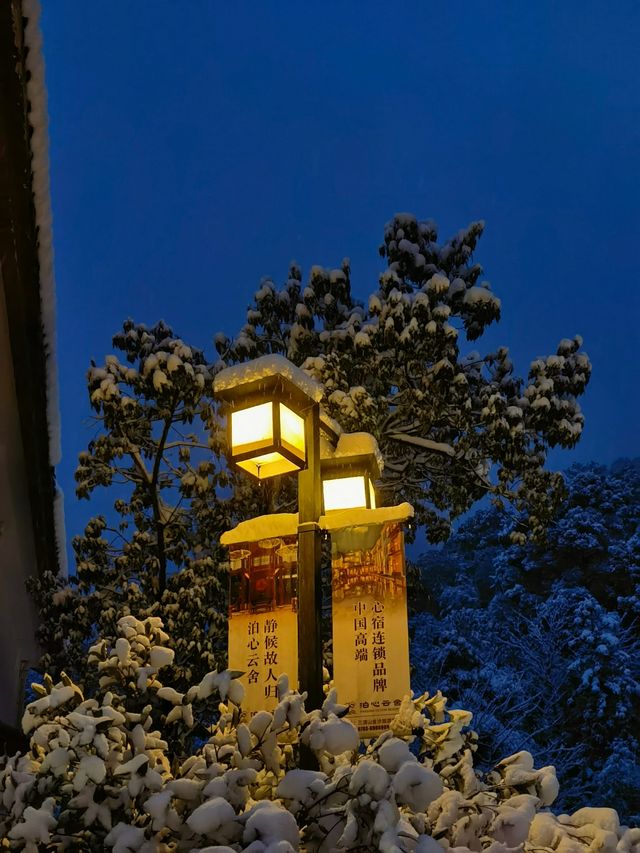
column 264, row 367
column 358, row 444
column 39, row 144
column 286, row 523
column 343, row 518
column 262, row 527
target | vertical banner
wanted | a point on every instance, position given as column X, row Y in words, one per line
column 263, row 628
column 370, row 628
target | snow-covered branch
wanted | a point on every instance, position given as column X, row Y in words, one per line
column 426, row 443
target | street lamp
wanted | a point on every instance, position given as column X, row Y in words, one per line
column 274, row 428
column 349, row 473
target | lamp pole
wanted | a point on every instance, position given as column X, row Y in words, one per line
column 309, row 560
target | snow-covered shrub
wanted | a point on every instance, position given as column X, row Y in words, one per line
column 106, row 772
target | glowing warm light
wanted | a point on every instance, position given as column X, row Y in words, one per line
column 372, row 496
column 344, row 493
column 252, row 428
column 267, row 465
column 267, row 440
column 292, row 431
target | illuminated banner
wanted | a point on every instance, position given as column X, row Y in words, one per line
column 263, row 630
column 370, row 629
column 369, row 605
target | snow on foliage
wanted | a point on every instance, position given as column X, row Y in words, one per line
column 100, row 773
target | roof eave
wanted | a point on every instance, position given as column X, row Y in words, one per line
column 20, row 269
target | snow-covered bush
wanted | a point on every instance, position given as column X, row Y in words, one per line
column 106, row 772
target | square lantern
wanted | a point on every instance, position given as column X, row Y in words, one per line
column 348, row 476
column 267, row 439
column 267, row 403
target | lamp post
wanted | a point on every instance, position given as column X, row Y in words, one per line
column 273, row 422
column 309, row 561
column 275, row 426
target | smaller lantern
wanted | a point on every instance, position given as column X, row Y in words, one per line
column 348, row 475
column 267, row 400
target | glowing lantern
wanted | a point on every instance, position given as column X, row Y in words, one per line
column 267, row 400
column 267, row 439
column 349, row 474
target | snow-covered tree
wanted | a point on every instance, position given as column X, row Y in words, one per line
column 452, row 425
column 156, row 449
column 111, row 771
column 594, row 542
column 543, row 639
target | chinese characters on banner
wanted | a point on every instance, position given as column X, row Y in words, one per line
column 369, row 605
column 370, row 629
column 263, row 630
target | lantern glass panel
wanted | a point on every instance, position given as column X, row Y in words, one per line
column 252, row 428
column 292, row 431
column 372, row 496
column 268, row 465
column 345, row 493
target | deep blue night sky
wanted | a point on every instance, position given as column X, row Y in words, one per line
column 197, row 147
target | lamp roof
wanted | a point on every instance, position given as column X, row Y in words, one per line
column 250, row 373
column 330, row 425
column 341, row 519
column 262, row 527
column 352, row 445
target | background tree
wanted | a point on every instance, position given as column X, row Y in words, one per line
column 593, row 543
column 157, row 450
column 543, row 639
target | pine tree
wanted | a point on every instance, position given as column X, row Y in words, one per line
column 594, row 542
column 157, row 451
column 453, row 425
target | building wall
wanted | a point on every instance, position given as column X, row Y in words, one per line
column 17, row 552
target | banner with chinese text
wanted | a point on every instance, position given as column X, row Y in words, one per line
column 370, row 629
column 263, row 629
